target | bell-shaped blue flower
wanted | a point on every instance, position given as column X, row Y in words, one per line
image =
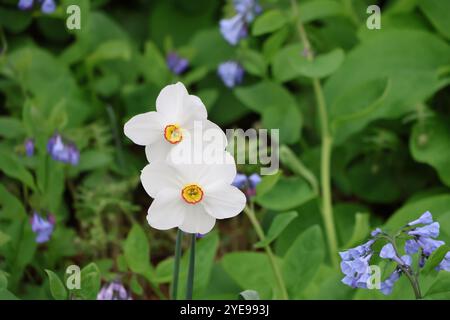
column 431, row 231
column 425, row 218
column 43, row 228
column 231, row 73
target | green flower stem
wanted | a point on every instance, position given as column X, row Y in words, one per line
column 190, row 278
column 275, row 268
column 327, row 142
column 176, row 265
column 115, row 130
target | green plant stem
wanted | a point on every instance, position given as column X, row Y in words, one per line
column 327, row 142
column 113, row 121
column 275, row 268
column 176, row 264
column 190, row 278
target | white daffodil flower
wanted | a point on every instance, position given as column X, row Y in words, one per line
column 191, row 196
column 171, row 124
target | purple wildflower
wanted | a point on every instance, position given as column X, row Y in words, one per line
column 445, row 263
column 233, row 29
column 176, row 64
column 47, row 6
column 63, row 152
column 425, row 218
column 42, row 227
column 388, row 284
column 29, row 147
column 113, row 291
column 247, row 184
column 431, row 231
column 249, row 9
column 231, row 73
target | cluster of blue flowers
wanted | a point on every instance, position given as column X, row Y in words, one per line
column 247, row 183
column 42, row 227
column 113, row 291
column 63, row 152
column 233, row 30
column 47, row 6
column 421, row 234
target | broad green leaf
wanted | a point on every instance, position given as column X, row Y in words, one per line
column 437, row 12
column 137, row 251
column 110, row 50
column 14, row 20
column 57, row 288
column 407, row 59
column 3, row 281
column 269, row 21
column 302, row 260
column 11, row 128
column 290, row 63
column 318, row 9
column 274, row 43
column 136, row 286
column 154, row 66
column 279, row 223
column 94, row 159
column 7, row 295
column 267, row 183
column 11, row 206
column 164, row 271
column 277, row 107
column 251, row 271
column 4, row 238
column 435, row 259
column 253, row 62
column 441, row 284
column 288, row 193
column 90, row 282
column 210, row 49
column 360, row 231
column 249, row 295
column 12, row 167
column 428, row 140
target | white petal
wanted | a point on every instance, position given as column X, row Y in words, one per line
column 223, row 171
column 170, row 100
column 224, row 201
column 166, row 211
column 158, row 151
column 193, row 109
column 196, row 220
column 158, row 176
column 144, row 129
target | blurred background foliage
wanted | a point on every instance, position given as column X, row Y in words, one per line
column 388, row 102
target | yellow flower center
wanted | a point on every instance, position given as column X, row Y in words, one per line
column 173, row 133
column 192, row 193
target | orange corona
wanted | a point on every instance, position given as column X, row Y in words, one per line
column 192, row 193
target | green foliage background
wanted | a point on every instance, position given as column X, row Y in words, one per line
column 388, row 100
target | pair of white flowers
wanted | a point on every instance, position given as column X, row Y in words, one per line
column 190, row 196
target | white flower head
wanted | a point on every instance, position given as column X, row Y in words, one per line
column 171, row 124
column 191, row 196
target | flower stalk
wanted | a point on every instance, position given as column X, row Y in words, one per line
column 176, row 267
column 273, row 263
column 190, row 278
column 327, row 142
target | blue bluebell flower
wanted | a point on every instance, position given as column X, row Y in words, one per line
column 431, row 231
column 254, row 180
column 355, row 265
column 240, row 180
column 63, row 152
column 47, row 6
column 429, row 245
column 388, row 252
column 113, row 291
column 43, row 228
column 411, row 246
column 425, row 218
column 445, row 263
column 231, row 73
column 376, row 232
column 176, row 64
column 249, row 9
column 387, row 285
column 29, row 147
column 247, row 184
column 235, row 28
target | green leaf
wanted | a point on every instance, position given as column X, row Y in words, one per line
column 154, row 66
column 318, row 9
column 12, row 167
column 3, row 281
column 11, row 128
column 437, row 12
column 94, row 159
column 360, row 231
column 435, row 259
column 441, row 284
column 279, row 223
column 11, row 206
column 269, row 21
column 250, row 270
column 136, row 286
column 4, row 238
column 267, row 183
column 428, row 139
column 397, row 57
column 302, row 260
column 288, row 193
column 253, row 62
column 90, row 282
column 110, row 50
column 277, row 106
column 249, row 295
column 289, row 63
column 137, row 250
column 57, row 288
